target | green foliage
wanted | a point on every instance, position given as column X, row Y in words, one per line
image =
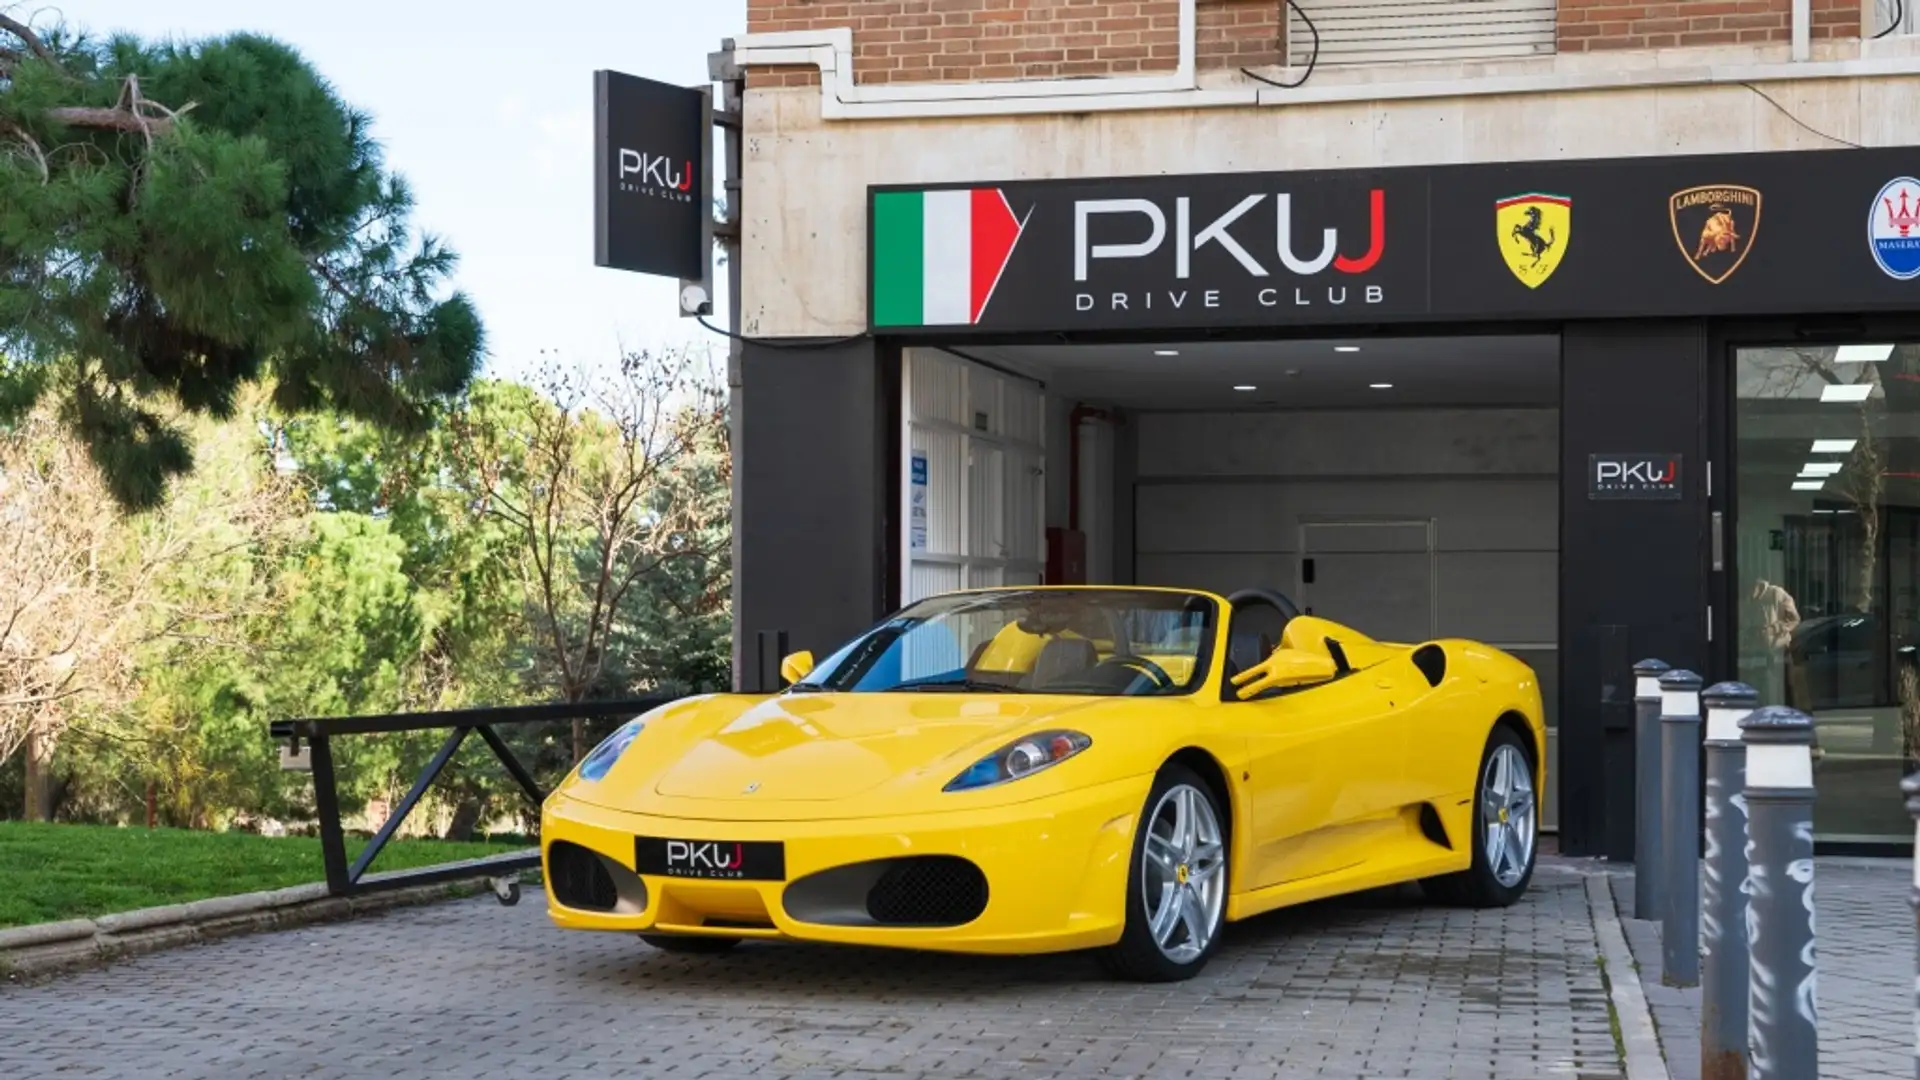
column 181, row 220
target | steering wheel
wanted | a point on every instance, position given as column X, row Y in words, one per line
column 1154, row 672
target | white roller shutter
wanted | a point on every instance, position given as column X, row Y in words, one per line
column 1412, row 31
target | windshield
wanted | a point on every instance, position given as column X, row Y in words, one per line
column 1099, row 642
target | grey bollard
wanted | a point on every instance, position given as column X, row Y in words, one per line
column 1783, row 1041
column 1723, row 901
column 1680, row 828
column 1911, row 788
column 1646, row 788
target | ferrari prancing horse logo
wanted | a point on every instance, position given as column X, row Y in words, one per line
column 1533, row 230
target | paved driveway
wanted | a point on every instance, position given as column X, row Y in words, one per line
column 1382, row 987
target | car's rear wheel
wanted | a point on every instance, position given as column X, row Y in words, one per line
column 689, row 943
column 1177, row 886
column 1506, row 829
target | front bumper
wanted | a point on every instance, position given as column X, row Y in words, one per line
column 1055, row 868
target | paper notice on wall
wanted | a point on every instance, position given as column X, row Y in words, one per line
column 917, row 502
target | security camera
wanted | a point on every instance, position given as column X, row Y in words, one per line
column 695, row 301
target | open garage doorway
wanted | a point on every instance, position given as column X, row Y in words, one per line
column 1407, row 486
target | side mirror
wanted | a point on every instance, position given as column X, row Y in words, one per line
column 1283, row 669
column 796, row 666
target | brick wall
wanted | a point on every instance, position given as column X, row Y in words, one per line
column 1588, row 25
column 964, row 40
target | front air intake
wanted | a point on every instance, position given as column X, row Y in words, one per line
column 932, row 890
column 579, row 879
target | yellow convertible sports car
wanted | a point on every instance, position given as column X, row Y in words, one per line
column 1026, row 770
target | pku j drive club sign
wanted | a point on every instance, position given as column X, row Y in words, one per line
column 651, row 194
column 1633, row 476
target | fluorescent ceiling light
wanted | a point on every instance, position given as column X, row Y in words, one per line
column 1346, row 348
column 1862, row 354
column 1845, row 393
column 1166, row 352
column 1380, row 386
column 1809, row 485
column 1820, row 468
column 1243, row 388
column 1834, row 446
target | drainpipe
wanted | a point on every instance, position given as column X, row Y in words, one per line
column 1080, row 415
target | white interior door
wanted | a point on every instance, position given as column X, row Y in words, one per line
column 975, row 509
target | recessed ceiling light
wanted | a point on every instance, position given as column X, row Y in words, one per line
column 1243, row 388
column 1346, row 348
column 1846, row 393
column 1834, row 446
column 1380, row 386
column 1862, row 354
column 1809, row 485
column 1820, row 468
column 1166, row 352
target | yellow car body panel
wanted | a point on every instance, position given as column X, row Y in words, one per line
column 1327, row 790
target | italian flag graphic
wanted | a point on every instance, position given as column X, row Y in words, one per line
column 937, row 255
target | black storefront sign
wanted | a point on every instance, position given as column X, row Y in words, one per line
column 1752, row 234
column 650, row 192
column 1634, row 477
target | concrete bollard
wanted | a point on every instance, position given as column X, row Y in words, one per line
column 1646, row 788
column 1911, row 788
column 1723, row 901
column 1783, row 1041
column 1680, row 828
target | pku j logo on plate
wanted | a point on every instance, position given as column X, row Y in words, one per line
column 1533, row 230
column 1893, row 228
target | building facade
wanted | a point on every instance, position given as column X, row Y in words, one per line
column 1587, row 328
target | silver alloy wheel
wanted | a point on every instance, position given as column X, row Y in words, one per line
column 1184, row 879
column 1507, row 804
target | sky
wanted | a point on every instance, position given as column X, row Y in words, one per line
column 487, row 109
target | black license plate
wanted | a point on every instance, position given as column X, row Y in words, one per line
column 715, row 860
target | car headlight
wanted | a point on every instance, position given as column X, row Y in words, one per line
column 595, row 764
column 1022, row 758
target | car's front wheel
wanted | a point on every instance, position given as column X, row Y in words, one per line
column 1506, row 829
column 689, row 943
column 1177, row 886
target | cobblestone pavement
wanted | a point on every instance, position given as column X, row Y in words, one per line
column 1363, row 988
column 1865, row 957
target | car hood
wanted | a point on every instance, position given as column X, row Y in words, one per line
column 817, row 755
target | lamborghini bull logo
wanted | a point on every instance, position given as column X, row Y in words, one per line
column 1715, row 227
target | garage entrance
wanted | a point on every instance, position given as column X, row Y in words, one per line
column 1408, row 486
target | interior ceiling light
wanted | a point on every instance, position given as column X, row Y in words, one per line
column 1166, row 352
column 1346, row 348
column 1834, row 446
column 1846, row 393
column 1862, row 354
column 1380, row 386
column 1244, row 388
column 1820, row 468
column 1809, row 485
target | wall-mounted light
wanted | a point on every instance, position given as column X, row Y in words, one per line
column 1380, row 386
column 1346, row 348
column 1245, row 389
column 1862, row 354
column 1166, row 352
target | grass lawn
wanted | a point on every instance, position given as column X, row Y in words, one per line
column 53, row 872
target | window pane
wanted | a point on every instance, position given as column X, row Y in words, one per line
column 1827, row 549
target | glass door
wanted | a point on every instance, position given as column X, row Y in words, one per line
column 1826, row 558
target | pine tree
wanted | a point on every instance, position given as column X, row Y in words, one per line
column 180, row 219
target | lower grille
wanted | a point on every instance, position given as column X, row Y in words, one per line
column 928, row 890
column 580, row 879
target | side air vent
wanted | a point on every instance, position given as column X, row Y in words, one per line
column 1432, row 662
column 585, row 880
column 916, row 890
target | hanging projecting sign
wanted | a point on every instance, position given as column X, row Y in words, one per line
column 1807, row 231
column 651, row 207
column 1633, row 476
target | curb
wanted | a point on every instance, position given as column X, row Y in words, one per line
column 49, row 948
column 1640, row 1041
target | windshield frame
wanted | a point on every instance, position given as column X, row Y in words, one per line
column 1205, row 658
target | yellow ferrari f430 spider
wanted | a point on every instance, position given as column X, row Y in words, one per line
column 1028, row 770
